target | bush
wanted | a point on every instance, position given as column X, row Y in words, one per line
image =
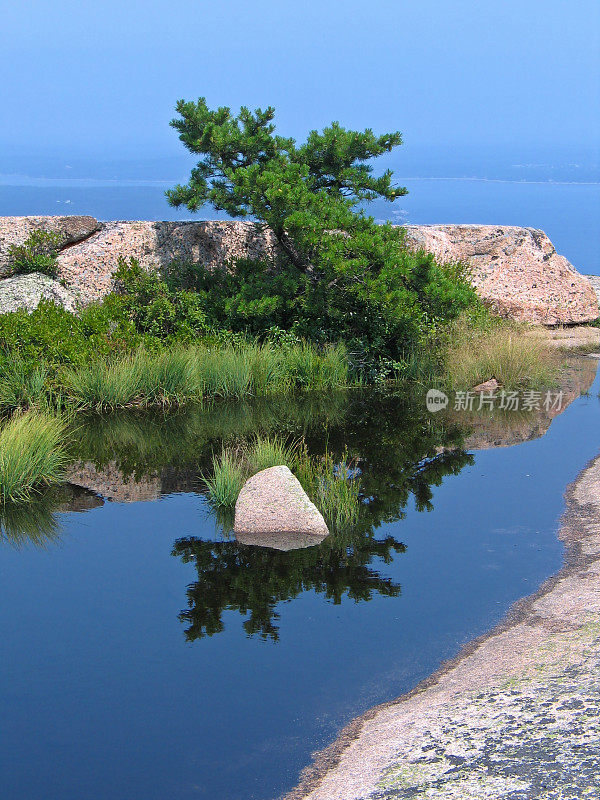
column 37, row 253
column 155, row 308
column 372, row 294
column 55, row 336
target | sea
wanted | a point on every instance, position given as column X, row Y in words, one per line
column 552, row 188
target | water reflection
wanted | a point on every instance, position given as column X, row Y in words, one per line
column 401, row 450
column 37, row 523
column 254, row 580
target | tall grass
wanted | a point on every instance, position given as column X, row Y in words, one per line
column 140, row 379
column 265, row 452
column 21, row 386
column 337, row 495
column 311, row 370
column 174, row 377
column 503, row 351
column 31, row 455
column 229, row 475
column 223, row 372
column 333, row 487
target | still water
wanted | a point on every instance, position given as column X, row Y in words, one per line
column 147, row 654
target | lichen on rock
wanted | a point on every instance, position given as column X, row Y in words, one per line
column 27, row 291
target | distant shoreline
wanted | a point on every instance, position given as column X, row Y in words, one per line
column 99, row 183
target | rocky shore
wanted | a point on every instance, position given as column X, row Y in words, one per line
column 516, row 271
column 516, row 716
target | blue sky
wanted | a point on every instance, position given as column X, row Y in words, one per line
column 102, row 78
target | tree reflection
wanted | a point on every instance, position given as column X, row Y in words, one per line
column 253, row 580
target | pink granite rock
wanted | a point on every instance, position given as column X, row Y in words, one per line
column 87, row 268
column 15, row 230
column 516, row 271
column 273, row 508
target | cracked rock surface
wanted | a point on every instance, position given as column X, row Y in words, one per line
column 26, row 291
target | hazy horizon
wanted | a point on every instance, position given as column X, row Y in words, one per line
column 100, row 82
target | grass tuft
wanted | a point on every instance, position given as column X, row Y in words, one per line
column 31, row 455
column 22, row 386
column 227, row 479
column 503, row 351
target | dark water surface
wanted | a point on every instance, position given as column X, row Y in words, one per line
column 147, row 655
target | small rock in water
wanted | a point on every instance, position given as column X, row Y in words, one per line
column 273, row 510
column 485, row 388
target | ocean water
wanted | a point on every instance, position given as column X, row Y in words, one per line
column 555, row 190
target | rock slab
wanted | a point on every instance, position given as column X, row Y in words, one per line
column 273, row 506
column 26, row 291
column 15, row 231
column 516, row 271
column 87, row 268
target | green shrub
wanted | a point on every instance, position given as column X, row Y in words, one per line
column 48, row 334
column 31, row 455
column 37, row 253
column 154, row 308
column 52, row 335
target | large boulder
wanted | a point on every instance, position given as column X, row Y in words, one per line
column 15, row 230
column 26, row 291
column 273, row 510
column 87, row 268
column 516, row 271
